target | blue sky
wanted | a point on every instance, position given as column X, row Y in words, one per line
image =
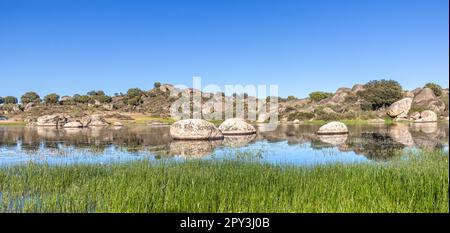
column 72, row 47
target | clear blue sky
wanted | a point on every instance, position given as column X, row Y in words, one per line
column 72, row 47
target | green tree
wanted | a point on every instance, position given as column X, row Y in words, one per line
column 10, row 100
column 437, row 89
column 94, row 93
column 82, row 99
column 380, row 93
column 30, row 97
column 291, row 97
column 134, row 92
column 2, row 100
column 133, row 101
column 317, row 96
column 51, row 98
column 157, row 84
column 134, row 96
column 100, row 96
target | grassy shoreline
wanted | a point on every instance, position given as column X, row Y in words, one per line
column 419, row 184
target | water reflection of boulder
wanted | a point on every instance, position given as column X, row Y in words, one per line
column 72, row 131
column 193, row 148
column 429, row 135
column 335, row 140
column 294, row 134
column 426, row 127
column 400, row 133
column 238, row 141
column 48, row 132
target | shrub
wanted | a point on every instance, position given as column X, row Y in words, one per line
column 291, row 97
column 415, row 108
column 157, row 85
column 102, row 98
column 435, row 87
column 2, row 100
column 10, row 100
column 83, row 99
column 350, row 98
column 326, row 116
column 94, row 93
column 51, row 98
column 301, row 116
column 134, row 96
column 134, row 92
column 30, row 97
column 317, row 96
column 133, row 101
column 381, row 93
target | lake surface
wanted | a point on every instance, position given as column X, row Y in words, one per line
column 289, row 144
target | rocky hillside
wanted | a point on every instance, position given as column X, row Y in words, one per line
column 345, row 103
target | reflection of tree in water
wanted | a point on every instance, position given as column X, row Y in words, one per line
column 376, row 146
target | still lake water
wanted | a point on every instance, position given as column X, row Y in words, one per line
column 289, row 144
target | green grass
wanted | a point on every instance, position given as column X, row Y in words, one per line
column 143, row 120
column 15, row 123
column 419, row 184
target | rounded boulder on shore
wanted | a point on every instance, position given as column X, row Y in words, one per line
column 194, row 129
column 334, row 127
column 73, row 124
column 236, row 126
column 427, row 116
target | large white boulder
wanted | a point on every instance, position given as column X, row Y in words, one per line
column 97, row 121
column 73, row 124
column 400, row 107
column 334, row 127
column 236, row 126
column 51, row 120
column 427, row 116
column 194, row 129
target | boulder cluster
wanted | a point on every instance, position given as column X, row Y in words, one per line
column 421, row 106
column 198, row 129
column 64, row 121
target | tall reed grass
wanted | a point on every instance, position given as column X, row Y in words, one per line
column 416, row 184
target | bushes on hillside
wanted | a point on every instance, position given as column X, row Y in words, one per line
column 10, row 100
column 51, row 98
column 380, row 93
column 134, row 96
column 437, row 89
column 30, row 97
column 317, row 96
column 82, row 99
column 157, row 85
column 301, row 116
column 134, row 92
column 100, row 96
column 291, row 97
column 1, row 100
column 350, row 98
